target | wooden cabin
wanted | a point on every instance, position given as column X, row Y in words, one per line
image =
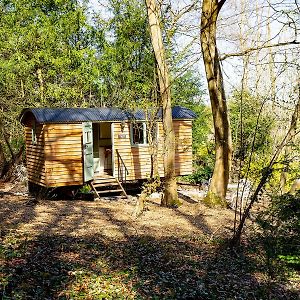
column 74, row 146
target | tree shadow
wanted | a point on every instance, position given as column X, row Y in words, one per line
column 59, row 263
column 14, row 213
column 186, row 198
column 59, row 267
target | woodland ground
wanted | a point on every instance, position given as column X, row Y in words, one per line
column 97, row 250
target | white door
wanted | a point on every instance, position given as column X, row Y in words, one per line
column 101, row 159
column 99, row 162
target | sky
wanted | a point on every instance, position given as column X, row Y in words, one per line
column 242, row 24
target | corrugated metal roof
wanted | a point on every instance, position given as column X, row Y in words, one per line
column 101, row 114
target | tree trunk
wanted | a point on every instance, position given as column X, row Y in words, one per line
column 235, row 241
column 289, row 148
column 170, row 193
column 41, row 82
column 223, row 145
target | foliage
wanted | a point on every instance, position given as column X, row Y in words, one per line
column 47, row 58
column 127, row 64
column 152, row 185
column 85, row 189
column 252, row 123
column 187, row 90
column 281, row 230
column 201, row 174
column 48, row 52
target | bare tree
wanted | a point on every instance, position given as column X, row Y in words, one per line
column 267, row 172
column 170, row 197
column 218, row 187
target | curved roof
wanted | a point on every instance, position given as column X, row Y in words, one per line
column 101, row 114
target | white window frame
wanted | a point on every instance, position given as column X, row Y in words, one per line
column 145, row 137
column 145, row 142
column 33, row 134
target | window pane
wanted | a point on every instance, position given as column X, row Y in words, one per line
column 138, row 133
column 33, row 134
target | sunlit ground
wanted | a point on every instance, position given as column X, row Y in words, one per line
column 98, row 250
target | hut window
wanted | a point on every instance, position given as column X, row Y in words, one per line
column 33, row 134
column 138, row 133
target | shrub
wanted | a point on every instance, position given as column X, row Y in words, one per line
column 281, row 230
column 200, row 175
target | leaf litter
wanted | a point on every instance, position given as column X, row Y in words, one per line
column 98, row 250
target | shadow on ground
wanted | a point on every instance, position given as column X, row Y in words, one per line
column 63, row 265
column 56, row 267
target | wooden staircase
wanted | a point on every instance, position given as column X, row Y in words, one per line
column 106, row 184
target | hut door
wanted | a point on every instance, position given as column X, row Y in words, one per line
column 88, row 159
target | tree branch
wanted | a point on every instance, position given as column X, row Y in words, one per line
column 220, row 4
column 266, row 173
column 249, row 50
column 182, row 12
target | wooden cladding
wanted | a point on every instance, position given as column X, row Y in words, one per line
column 137, row 158
column 63, row 154
column 35, row 154
column 54, row 159
column 54, row 153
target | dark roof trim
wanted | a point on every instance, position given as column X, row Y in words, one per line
column 101, row 114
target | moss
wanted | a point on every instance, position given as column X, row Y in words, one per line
column 212, row 200
column 171, row 202
column 177, row 203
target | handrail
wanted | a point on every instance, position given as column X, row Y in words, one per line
column 121, row 168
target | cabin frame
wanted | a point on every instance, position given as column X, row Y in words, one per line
column 73, row 146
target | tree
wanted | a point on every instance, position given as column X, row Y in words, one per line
column 289, row 136
column 46, row 58
column 170, row 193
column 127, row 64
column 49, row 47
column 223, row 148
column 249, row 117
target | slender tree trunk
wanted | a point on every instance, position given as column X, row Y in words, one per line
column 41, row 81
column 170, row 194
column 223, row 145
column 267, row 172
column 6, row 139
column 288, row 148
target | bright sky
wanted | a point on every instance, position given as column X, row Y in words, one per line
column 242, row 24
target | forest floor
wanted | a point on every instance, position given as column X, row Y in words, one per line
column 64, row 249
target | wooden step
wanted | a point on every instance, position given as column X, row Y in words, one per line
column 109, row 191
column 111, row 183
column 105, row 179
column 103, row 176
